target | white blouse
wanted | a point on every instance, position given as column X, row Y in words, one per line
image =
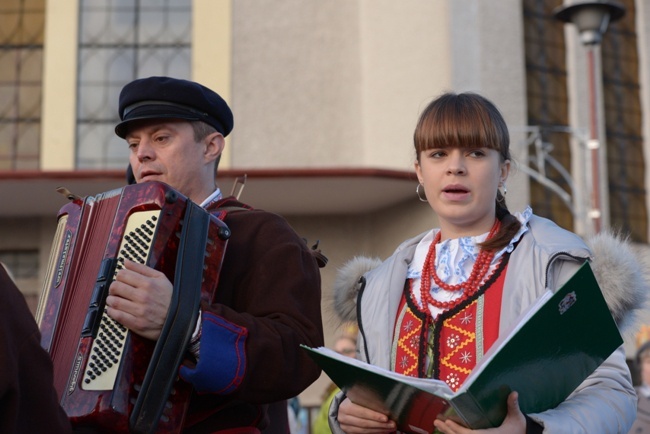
column 454, row 261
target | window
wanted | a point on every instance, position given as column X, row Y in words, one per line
column 548, row 104
column 623, row 124
column 21, row 67
column 22, row 264
column 119, row 41
column 546, row 92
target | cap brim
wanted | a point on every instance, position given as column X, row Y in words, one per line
column 153, row 112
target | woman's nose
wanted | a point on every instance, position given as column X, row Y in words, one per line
column 456, row 165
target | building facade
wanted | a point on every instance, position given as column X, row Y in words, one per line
column 325, row 97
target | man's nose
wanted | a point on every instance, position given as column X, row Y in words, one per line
column 145, row 150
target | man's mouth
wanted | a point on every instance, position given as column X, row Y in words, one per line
column 144, row 175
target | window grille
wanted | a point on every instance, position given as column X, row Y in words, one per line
column 119, row 41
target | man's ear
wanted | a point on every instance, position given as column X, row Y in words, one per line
column 214, row 144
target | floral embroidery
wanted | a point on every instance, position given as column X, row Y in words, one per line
column 466, row 319
column 404, row 362
column 453, row 381
column 408, row 326
column 453, row 340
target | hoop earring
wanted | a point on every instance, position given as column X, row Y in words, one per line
column 423, row 198
column 501, row 195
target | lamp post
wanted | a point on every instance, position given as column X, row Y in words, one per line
column 592, row 19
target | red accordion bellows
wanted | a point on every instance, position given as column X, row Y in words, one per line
column 107, row 377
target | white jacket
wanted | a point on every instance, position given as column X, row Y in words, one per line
column 545, row 257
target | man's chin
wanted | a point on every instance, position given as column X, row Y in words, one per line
column 149, row 178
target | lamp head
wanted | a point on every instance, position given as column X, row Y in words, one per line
column 591, row 18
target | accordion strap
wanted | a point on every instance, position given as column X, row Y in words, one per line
column 177, row 329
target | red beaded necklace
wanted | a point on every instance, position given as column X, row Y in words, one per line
column 468, row 287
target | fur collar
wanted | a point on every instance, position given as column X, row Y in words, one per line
column 622, row 271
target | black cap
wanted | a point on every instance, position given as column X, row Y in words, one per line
column 172, row 98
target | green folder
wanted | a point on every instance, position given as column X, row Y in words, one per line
column 557, row 343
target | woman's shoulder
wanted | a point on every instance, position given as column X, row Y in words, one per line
column 348, row 277
column 548, row 238
column 551, row 231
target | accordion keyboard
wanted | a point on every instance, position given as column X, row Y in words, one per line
column 108, row 345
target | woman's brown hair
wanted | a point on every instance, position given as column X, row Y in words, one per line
column 469, row 120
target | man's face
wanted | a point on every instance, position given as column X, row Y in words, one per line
column 166, row 151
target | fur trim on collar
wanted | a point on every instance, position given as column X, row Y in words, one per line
column 622, row 271
column 347, row 286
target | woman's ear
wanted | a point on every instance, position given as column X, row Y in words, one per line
column 418, row 171
column 505, row 171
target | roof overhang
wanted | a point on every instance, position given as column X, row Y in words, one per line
column 284, row 191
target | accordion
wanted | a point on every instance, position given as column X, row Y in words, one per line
column 107, row 377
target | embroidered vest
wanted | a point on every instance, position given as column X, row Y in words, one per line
column 449, row 346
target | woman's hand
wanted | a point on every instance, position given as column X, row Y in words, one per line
column 355, row 419
column 514, row 423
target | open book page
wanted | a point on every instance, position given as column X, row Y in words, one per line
column 413, row 403
column 503, row 339
column 433, row 386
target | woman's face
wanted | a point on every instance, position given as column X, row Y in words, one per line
column 461, row 186
column 345, row 346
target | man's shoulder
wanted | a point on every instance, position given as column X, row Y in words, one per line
column 229, row 204
column 236, row 213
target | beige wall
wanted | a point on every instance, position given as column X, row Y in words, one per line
column 59, row 86
column 211, row 52
column 296, row 79
column 337, row 83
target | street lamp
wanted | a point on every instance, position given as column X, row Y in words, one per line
column 592, row 19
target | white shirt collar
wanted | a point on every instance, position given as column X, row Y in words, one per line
column 215, row 196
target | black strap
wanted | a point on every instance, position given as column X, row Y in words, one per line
column 177, row 330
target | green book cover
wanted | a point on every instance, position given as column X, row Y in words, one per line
column 557, row 343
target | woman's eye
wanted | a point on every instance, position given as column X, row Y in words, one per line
column 437, row 154
column 477, row 153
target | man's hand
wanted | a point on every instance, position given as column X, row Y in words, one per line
column 355, row 419
column 514, row 423
column 139, row 299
